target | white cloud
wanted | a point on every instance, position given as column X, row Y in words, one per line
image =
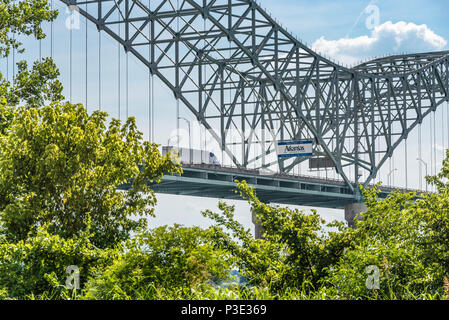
column 387, row 38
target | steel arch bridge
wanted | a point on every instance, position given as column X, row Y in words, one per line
column 238, row 70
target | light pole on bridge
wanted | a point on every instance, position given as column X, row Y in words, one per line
column 190, row 139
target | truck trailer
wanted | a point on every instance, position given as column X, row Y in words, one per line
column 193, row 156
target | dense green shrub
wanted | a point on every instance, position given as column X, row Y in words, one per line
column 406, row 237
column 61, row 165
column 37, row 266
column 295, row 250
column 165, row 258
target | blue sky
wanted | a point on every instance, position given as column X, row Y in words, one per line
column 340, row 29
column 334, row 19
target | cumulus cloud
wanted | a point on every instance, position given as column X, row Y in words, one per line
column 388, row 38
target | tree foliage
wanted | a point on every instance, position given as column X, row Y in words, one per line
column 59, row 206
column 165, row 258
column 23, row 17
column 38, row 264
column 35, row 86
column 32, row 87
column 404, row 236
column 60, row 165
column 293, row 252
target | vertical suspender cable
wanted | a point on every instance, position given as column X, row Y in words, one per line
column 379, row 175
column 125, row 19
column 177, row 123
column 153, row 122
column 153, row 108
column 420, row 156
column 119, row 68
column 13, row 56
column 443, row 143
column 40, row 50
column 70, row 61
column 350, row 170
column 85, row 62
column 434, row 145
column 389, row 173
column 394, row 168
column 51, row 32
column 127, row 85
column 406, row 165
column 150, row 127
column 177, row 66
column 204, row 82
column 99, row 69
column 233, row 136
column 13, row 61
column 431, row 144
column 7, row 68
column 405, row 144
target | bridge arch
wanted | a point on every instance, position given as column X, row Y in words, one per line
column 234, row 67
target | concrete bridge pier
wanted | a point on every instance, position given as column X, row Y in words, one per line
column 258, row 230
column 257, row 227
column 353, row 211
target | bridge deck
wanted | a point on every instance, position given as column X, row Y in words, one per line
column 218, row 182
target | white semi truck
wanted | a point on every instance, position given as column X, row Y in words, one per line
column 192, row 156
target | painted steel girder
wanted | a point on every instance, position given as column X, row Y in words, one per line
column 238, row 70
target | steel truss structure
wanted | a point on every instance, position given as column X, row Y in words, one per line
column 242, row 74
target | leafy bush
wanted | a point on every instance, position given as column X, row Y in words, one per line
column 406, row 237
column 37, row 266
column 294, row 252
column 61, row 165
column 165, row 258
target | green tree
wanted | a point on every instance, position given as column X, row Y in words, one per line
column 23, row 17
column 34, row 87
column 406, row 237
column 37, row 266
column 60, row 165
column 295, row 250
column 165, row 258
column 31, row 87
